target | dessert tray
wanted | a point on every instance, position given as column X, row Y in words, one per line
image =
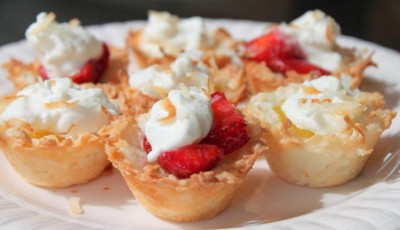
column 371, row 201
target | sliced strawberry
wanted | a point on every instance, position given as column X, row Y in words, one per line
column 146, row 145
column 281, row 52
column 90, row 72
column 42, row 72
column 93, row 69
column 229, row 132
column 274, row 45
column 303, row 67
column 191, row 159
column 221, row 107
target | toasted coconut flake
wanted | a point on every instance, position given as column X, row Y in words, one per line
column 69, row 129
column 170, row 108
column 49, row 19
column 319, row 101
column 57, row 104
column 21, row 74
column 303, row 100
column 9, row 99
column 230, row 80
column 109, row 116
column 74, row 205
column 74, row 22
column 160, row 90
column 329, row 30
column 353, row 125
column 310, row 90
column 206, row 92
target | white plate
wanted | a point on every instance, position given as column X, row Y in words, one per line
column 371, row 201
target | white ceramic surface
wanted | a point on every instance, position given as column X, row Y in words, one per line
column 371, row 201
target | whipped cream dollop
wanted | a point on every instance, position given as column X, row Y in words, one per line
column 59, row 106
column 316, row 32
column 167, row 33
column 62, row 48
column 320, row 105
column 183, row 118
column 156, row 82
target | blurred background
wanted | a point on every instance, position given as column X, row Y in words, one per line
column 373, row 20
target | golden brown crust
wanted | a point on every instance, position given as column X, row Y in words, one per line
column 21, row 74
column 222, row 39
column 52, row 161
column 260, row 78
column 116, row 67
column 201, row 196
column 230, row 80
column 142, row 60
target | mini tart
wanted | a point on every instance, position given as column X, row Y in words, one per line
column 201, row 196
column 319, row 160
column 222, row 40
column 23, row 74
column 260, row 78
column 50, row 160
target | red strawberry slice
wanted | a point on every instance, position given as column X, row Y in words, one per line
column 281, row 52
column 90, row 72
column 229, row 132
column 191, row 159
column 303, row 67
column 146, row 145
column 228, row 135
column 274, row 45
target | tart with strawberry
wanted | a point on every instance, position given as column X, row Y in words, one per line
column 302, row 50
column 49, row 132
column 320, row 133
column 186, row 157
column 65, row 50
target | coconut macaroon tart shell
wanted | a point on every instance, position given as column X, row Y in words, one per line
column 149, row 48
column 304, row 49
column 201, row 196
column 318, row 160
column 49, row 132
column 52, row 161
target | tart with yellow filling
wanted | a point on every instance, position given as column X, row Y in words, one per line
column 49, row 132
column 320, row 133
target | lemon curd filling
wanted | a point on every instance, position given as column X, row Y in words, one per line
column 282, row 117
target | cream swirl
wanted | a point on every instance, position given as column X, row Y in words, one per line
column 183, row 118
column 59, row 106
column 63, row 48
